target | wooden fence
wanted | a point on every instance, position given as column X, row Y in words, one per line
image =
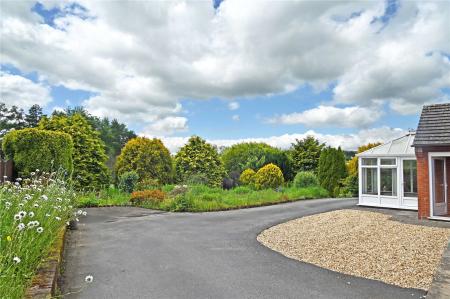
column 6, row 170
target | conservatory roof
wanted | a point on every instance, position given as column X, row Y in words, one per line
column 398, row 147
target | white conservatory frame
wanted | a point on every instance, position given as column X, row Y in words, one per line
column 398, row 151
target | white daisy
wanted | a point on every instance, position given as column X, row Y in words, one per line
column 40, row 229
column 16, row 259
column 21, row 226
column 89, row 278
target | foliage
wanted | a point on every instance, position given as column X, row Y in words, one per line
column 255, row 155
column 113, row 134
column 32, row 211
column 89, row 152
column 198, row 157
column 305, row 179
column 110, row 196
column 34, row 116
column 148, row 157
column 352, row 165
column 305, row 154
column 147, row 184
column 269, row 176
column 247, row 177
column 350, row 186
column 178, row 190
column 147, row 195
column 32, row 149
column 331, row 169
column 128, row 181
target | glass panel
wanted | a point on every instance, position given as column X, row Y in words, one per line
column 388, row 178
column 369, row 161
column 410, row 178
column 387, row 162
column 439, row 186
column 369, row 181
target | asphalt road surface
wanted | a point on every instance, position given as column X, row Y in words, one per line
column 140, row 253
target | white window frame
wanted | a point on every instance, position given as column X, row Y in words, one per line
column 401, row 177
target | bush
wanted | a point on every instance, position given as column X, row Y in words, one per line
column 147, row 184
column 199, row 159
column 32, row 149
column 247, row 177
column 305, row 154
column 148, row 157
column 196, row 179
column 305, row 179
column 154, row 196
column 128, row 181
column 269, row 176
column 350, row 186
column 89, row 157
column 332, row 169
column 255, row 155
column 178, row 190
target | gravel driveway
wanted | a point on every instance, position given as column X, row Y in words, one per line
column 139, row 253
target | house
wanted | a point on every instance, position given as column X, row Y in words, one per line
column 388, row 175
column 411, row 172
column 432, row 148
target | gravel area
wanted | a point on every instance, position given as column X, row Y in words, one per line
column 361, row 243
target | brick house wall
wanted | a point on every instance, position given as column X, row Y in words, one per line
column 423, row 178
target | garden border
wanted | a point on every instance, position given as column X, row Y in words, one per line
column 44, row 283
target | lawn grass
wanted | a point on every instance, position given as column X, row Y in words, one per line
column 201, row 198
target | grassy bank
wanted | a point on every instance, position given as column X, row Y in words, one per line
column 202, row 198
column 32, row 214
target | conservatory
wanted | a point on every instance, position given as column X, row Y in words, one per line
column 388, row 175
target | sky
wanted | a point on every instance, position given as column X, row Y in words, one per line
column 346, row 72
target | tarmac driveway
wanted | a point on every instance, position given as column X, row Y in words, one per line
column 139, row 253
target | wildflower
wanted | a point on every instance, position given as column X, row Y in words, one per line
column 16, row 259
column 31, row 214
column 19, row 179
column 32, row 173
column 22, row 214
column 21, row 226
column 58, row 218
column 40, row 229
column 44, row 197
column 89, row 278
column 59, row 199
column 8, row 238
column 36, row 205
column 77, row 219
column 17, row 217
column 27, row 197
column 37, row 170
column 84, row 213
column 7, row 204
column 17, row 183
column 47, row 215
column 21, row 205
column 80, row 212
column 32, row 224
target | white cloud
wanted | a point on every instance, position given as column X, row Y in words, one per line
column 166, row 126
column 166, row 51
column 345, row 141
column 236, row 117
column 233, row 105
column 22, row 92
column 329, row 116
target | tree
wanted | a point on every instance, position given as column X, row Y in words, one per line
column 33, row 116
column 89, row 150
column 199, row 158
column 32, row 149
column 254, row 155
column 331, row 169
column 149, row 158
column 352, row 165
column 305, row 154
column 269, row 176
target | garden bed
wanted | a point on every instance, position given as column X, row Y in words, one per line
column 200, row 198
column 364, row 244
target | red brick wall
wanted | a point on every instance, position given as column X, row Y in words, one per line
column 423, row 180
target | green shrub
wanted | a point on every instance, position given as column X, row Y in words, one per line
column 247, row 177
column 148, row 157
column 155, row 196
column 89, row 157
column 196, row 179
column 128, row 181
column 269, row 176
column 32, row 149
column 305, row 154
column 147, row 184
column 255, row 155
column 305, row 179
column 181, row 203
column 199, row 158
column 350, row 186
column 332, row 169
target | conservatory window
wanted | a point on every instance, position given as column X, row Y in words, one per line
column 410, row 178
column 369, row 161
column 388, row 181
column 369, row 181
column 388, row 162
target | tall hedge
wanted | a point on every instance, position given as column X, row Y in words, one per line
column 32, row 149
column 332, row 169
column 255, row 155
column 199, row 158
column 148, row 157
column 89, row 158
